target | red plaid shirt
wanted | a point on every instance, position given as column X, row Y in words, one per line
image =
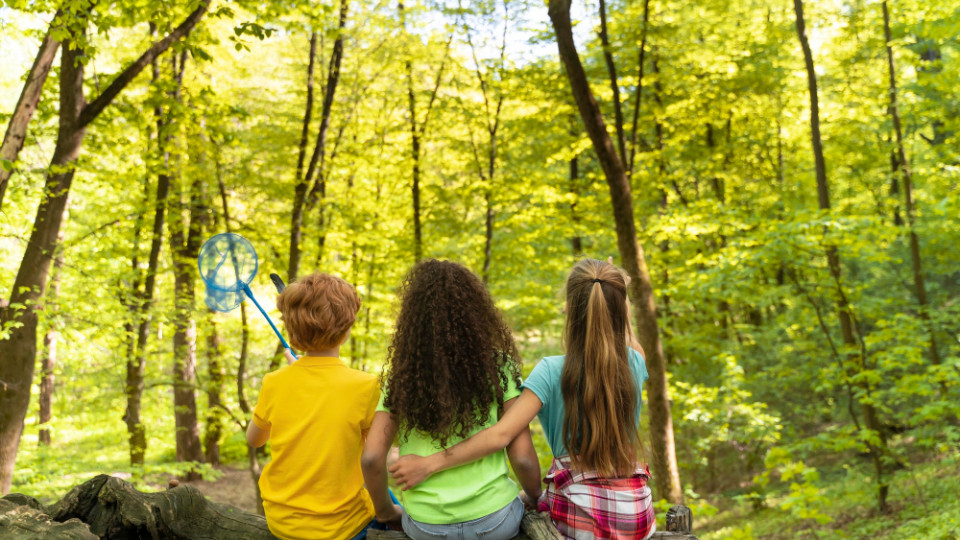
column 585, row 506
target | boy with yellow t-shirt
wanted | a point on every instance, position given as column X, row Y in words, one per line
column 316, row 412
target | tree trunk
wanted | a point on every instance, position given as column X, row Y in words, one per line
column 318, row 194
column 576, row 243
column 252, row 459
column 641, row 289
column 185, row 361
column 300, row 190
column 214, row 417
column 184, row 244
column 920, row 288
column 49, row 363
column 16, row 132
column 833, row 257
column 136, row 365
column 19, row 351
column 638, row 97
column 415, row 162
column 614, row 85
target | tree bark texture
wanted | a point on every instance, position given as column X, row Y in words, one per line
column 641, row 289
column 16, row 132
column 23, row 518
column 113, row 509
column 20, row 350
column 847, row 324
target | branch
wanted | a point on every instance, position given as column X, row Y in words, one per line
column 436, row 86
column 90, row 112
column 636, row 103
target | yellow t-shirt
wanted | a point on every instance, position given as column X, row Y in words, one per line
column 318, row 412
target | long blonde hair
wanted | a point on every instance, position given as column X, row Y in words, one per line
column 599, row 392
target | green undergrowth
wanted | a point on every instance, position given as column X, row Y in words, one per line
column 924, row 503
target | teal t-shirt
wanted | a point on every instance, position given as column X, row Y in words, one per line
column 463, row 493
column 544, row 381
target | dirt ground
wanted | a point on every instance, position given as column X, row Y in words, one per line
column 235, row 488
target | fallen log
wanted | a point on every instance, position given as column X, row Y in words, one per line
column 537, row 526
column 109, row 508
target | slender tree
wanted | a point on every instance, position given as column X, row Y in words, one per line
column 493, row 96
column 187, row 221
column 27, row 104
column 876, row 444
column 301, row 187
column 667, row 474
column 48, row 365
column 418, row 129
column 920, row 288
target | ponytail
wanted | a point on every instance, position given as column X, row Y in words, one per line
column 599, row 393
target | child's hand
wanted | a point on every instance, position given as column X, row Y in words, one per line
column 289, row 355
column 390, row 515
column 529, row 502
column 410, row 470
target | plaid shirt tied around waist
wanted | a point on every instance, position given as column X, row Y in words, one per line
column 585, row 506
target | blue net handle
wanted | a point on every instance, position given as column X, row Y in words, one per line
column 249, row 293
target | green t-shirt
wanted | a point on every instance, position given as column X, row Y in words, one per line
column 463, row 493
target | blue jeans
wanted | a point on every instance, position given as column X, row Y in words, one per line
column 500, row 525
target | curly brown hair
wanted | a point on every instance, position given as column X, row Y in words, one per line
column 452, row 355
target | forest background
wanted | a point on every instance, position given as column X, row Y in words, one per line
column 786, row 174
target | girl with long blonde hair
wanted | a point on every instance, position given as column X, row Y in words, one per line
column 588, row 402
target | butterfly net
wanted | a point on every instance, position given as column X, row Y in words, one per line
column 227, row 263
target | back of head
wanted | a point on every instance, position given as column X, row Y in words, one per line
column 599, row 393
column 318, row 311
column 451, row 356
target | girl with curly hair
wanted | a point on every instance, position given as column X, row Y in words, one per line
column 453, row 371
column 588, row 402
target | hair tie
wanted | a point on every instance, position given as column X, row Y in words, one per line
column 597, row 281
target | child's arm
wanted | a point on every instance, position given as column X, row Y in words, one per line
column 410, row 470
column 523, row 459
column 257, row 436
column 373, row 462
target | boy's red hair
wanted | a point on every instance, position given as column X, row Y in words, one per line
column 318, row 311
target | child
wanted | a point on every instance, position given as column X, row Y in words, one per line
column 317, row 412
column 453, row 370
column 589, row 405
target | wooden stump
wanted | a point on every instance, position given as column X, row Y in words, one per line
column 679, row 519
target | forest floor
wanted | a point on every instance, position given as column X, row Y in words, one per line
column 923, row 504
column 233, row 487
